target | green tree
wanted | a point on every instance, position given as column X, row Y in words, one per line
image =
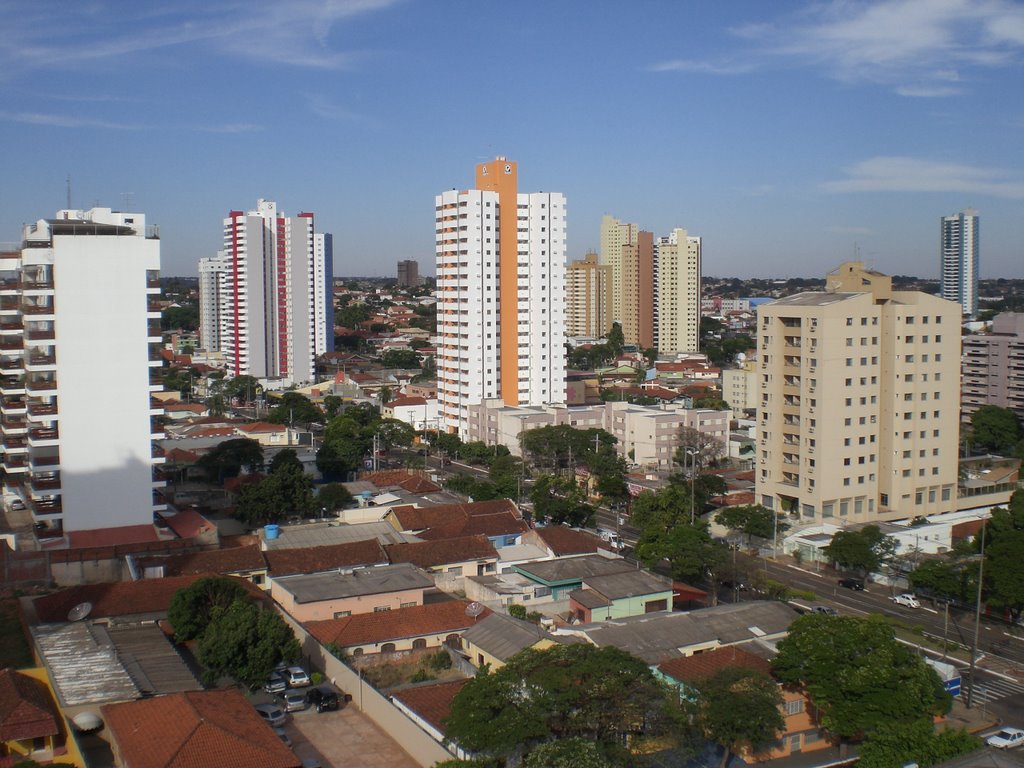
column 560, row 500
column 615, row 340
column 245, row 641
column 286, row 458
column 697, row 450
column 294, row 408
column 865, row 550
column 857, row 674
column 945, row 580
column 245, row 388
column 691, row 551
column 752, row 520
column 288, row 491
column 333, row 496
column 391, row 432
column 714, row 403
column 192, row 607
column 995, row 428
column 917, row 742
column 184, row 317
column 567, row 753
column 739, row 707
column 1004, row 572
column 332, row 405
column 567, row 691
column 400, row 358
column 226, row 459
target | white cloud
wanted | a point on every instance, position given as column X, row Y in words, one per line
column 64, row 121
column 909, row 174
column 701, row 67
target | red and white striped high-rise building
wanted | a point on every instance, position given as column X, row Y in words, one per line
column 266, row 299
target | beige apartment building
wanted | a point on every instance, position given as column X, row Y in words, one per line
column 588, row 298
column 739, row 388
column 648, row 436
column 614, row 235
column 678, row 292
column 859, row 410
column 640, row 292
column 993, row 366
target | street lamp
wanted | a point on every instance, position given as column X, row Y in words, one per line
column 692, row 453
column 977, row 617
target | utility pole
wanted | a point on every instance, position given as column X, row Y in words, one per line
column 977, row 617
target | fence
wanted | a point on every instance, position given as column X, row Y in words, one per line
column 418, row 743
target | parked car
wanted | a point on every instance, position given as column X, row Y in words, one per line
column 294, row 701
column 827, row 610
column 275, row 684
column 310, row 762
column 282, row 734
column 855, row 584
column 296, row 677
column 323, row 699
column 271, row 713
column 1007, row 738
column 907, row 600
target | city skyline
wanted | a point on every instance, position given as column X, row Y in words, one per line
column 791, row 136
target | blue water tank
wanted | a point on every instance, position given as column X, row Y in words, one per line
column 272, row 531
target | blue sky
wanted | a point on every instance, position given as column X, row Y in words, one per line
column 790, row 135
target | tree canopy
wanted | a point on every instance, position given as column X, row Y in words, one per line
column 917, row 742
column 600, row 695
column 227, row 458
column 752, row 520
column 995, row 429
column 286, row 491
column 400, row 358
column 857, row 674
column 294, row 408
column 245, row 641
column 865, row 549
column 192, row 607
column 739, row 707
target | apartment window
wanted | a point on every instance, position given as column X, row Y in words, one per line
column 883, row 499
column 938, row 339
column 846, row 481
column 863, row 321
column 796, row 707
column 849, row 402
column 860, row 440
column 863, row 361
column 381, row 608
column 847, row 422
column 918, row 497
column 849, row 382
column 846, row 461
column 849, row 362
column 849, row 341
column 910, row 320
column 910, row 339
column 844, row 508
column 945, row 494
column 910, row 358
column 906, row 473
column 849, row 321
column 846, row 441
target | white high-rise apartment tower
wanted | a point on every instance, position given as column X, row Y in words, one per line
column 960, row 237
column 501, row 295
column 78, row 426
column 678, row 292
column 269, row 295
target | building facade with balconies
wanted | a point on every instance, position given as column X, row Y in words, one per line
column 859, row 401
column 78, row 423
column 993, row 366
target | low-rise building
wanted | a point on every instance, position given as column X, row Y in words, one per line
column 496, row 638
column 617, row 595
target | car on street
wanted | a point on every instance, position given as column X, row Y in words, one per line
column 294, row 701
column 296, row 677
column 855, row 584
column 323, row 699
column 275, row 684
column 1007, row 738
column 825, row 610
column 907, row 600
column 271, row 713
column 282, row 734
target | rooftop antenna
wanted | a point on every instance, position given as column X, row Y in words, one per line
column 128, row 201
column 69, row 191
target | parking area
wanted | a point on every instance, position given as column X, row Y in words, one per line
column 345, row 738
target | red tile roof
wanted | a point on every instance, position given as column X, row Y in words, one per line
column 195, row 729
column 383, row 626
column 391, row 477
column 27, row 709
column 223, row 561
column 120, row 598
column 497, row 524
column 427, row 554
column 399, row 402
column 419, row 484
column 111, row 537
column 284, row 562
column 419, row 518
column 700, row 666
column 188, row 524
column 181, row 456
column 562, row 540
column 261, row 427
column 433, row 702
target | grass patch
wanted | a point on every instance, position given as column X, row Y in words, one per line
column 14, row 650
column 385, row 673
column 914, row 634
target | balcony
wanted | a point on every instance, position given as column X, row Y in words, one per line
column 41, row 362
column 13, row 326
column 12, row 405
column 46, row 483
column 37, row 309
column 159, row 454
column 37, row 461
column 15, row 444
column 46, row 506
column 43, row 436
column 14, row 464
column 13, row 424
column 42, row 409
column 40, row 334
column 12, row 366
column 42, row 384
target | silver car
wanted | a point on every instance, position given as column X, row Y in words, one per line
column 271, row 714
column 294, row 701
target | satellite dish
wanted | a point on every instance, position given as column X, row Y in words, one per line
column 474, row 609
column 87, row 721
column 80, row 611
column 741, row 356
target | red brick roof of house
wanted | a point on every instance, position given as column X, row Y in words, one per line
column 497, row 524
column 112, row 537
column 188, row 524
column 27, row 708
column 181, row 456
column 562, row 540
column 184, row 408
column 700, row 666
column 420, row 484
column 285, row 562
column 261, row 427
column 419, row 518
column 433, row 702
column 384, row 626
column 408, row 400
column 224, row 561
column 195, row 729
column 427, row 554
column 414, row 482
column 120, row 598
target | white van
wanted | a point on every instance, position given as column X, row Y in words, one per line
column 612, row 538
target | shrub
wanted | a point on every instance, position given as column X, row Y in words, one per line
column 517, row 611
column 439, row 661
column 421, row 676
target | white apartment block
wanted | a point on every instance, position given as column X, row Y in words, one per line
column 212, row 273
column 858, row 417
column 501, row 295
column 648, row 436
column 678, row 292
column 77, row 425
column 273, row 294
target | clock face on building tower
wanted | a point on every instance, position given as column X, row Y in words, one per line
column 508, row 169
column 483, row 170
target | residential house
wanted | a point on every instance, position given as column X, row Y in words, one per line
column 448, row 560
column 196, row 729
column 267, row 434
column 419, row 412
column 31, row 726
column 563, row 541
column 617, row 595
column 496, row 638
column 566, row 574
column 499, row 520
column 333, row 595
column 415, row 628
column 429, row 706
column 801, row 732
column 245, row 562
column 329, row 557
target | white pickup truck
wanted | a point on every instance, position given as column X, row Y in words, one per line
column 612, row 538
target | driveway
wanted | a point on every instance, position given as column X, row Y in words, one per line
column 344, row 739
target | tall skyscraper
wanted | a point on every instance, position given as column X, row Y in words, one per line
column 408, row 273
column 501, row 294
column 77, row 428
column 678, row 292
column 639, row 292
column 588, row 298
column 614, row 235
column 959, row 241
column 273, row 295
column 859, row 401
